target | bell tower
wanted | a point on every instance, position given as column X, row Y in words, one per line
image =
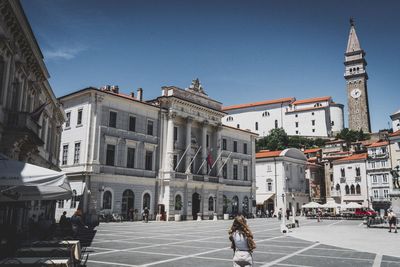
column 356, row 83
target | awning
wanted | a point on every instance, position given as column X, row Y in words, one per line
column 20, row 181
column 78, row 186
column 262, row 197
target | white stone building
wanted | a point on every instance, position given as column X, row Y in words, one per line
column 394, row 146
column 281, row 180
column 395, row 121
column 122, row 154
column 350, row 180
column 314, row 117
column 378, row 175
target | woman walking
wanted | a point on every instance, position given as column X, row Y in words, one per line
column 242, row 242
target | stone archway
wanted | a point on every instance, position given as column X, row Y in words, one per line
column 195, row 205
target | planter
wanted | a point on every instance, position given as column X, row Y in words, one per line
column 177, row 217
column 226, row 216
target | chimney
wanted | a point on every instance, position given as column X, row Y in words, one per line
column 132, row 94
column 140, row 94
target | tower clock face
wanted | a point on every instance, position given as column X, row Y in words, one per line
column 355, row 93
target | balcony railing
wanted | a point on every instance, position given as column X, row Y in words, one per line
column 342, row 180
column 21, row 122
column 358, row 179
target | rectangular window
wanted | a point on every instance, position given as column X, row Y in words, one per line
column 207, row 140
column 68, row 121
column 238, row 126
column 132, row 123
column 79, row 119
column 297, row 124
column 130, row 158
column 385, row 178
column 175, row 133
column 269, row 186
column 269, row 168
column 224, row 144
column 313, row 122
column 225, row 171
column 77, row 152
column 234, row 146
column 374, row 179
column 256, row 126
column 150, row 127
column 60, row 204
column 372, row 165
column 376, row 193
column 343, row 172
column 313, row 130
column 297, row 132
column 149, row 160
column 110, row 155
column 235, row 172
column 385, row 193
column 245, row 173
column 383, row 164
column 244, row 148
column 113, row 119
column 65, row 155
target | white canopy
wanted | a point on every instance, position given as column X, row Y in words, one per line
column 352, row 205
column 20, row 181
column 311, row 205
column 331, row 205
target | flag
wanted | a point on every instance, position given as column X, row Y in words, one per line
column 209, row 159
column 35, row 115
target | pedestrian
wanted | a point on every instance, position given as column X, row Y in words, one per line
column 242, row 242
column 280, row 214
column 77, row 223
column 146, row 214
column 392, row 221
column 64, row 223
column 287, row 213
column 319, row 213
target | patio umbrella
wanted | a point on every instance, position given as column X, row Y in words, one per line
column 20, row 181
column 311, row 205
column 352, row 205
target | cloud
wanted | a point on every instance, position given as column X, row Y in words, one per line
column 63, row 53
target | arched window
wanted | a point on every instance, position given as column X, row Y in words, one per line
column 210, row 203
column 73, row 199
column 358, row 189
column 276, row 124
column 337, row 187
column 358, row 171
column 347, row 188
column 256, row 126
column 107, row 200
column 352, row 189
column 265, row 114
column 146, row 201
column 226, row 202
column 178, row 202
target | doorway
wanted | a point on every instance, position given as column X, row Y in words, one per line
column 195, row 205
column 127, row 204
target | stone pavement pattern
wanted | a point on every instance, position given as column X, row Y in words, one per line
column 206, row 243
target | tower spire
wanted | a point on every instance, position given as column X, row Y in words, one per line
column 353, row 44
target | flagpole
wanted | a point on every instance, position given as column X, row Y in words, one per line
column 215, row 162
column 190, row 164
column 204, row 161
column 224, row 163
column 184, row 153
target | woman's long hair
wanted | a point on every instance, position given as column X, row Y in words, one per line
column 240, row 225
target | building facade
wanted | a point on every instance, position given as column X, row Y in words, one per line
column 378, row 175
column 171, row 154
column 356, row 83
column 350, row 180
column 281, row 180
column 314, row 117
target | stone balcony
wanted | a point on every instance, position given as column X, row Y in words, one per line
column 209, row 179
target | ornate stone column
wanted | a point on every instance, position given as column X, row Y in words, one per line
column 204, row 146
column 170, row 143
column 188, row 142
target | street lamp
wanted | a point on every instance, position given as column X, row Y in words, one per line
column 283, row 224
column 293, row 214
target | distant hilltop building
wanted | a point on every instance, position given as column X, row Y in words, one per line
column 313, row 117
column 356, row 83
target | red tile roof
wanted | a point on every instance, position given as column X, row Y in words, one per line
column 312, row 100
column 396, row 133
column 260, row 103
column 268, row 154
column 361, row 156
column 311, row 150
column 335, row 141
column 379, row 143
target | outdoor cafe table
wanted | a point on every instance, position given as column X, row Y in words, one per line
column 32, row 261
column 74, row 244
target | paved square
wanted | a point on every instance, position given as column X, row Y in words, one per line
column 206, row 243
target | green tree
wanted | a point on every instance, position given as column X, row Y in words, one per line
column 276, row 140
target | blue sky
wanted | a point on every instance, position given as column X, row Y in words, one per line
column 242, row 51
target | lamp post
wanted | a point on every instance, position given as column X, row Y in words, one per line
column 283, row 224
column 293, row 211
